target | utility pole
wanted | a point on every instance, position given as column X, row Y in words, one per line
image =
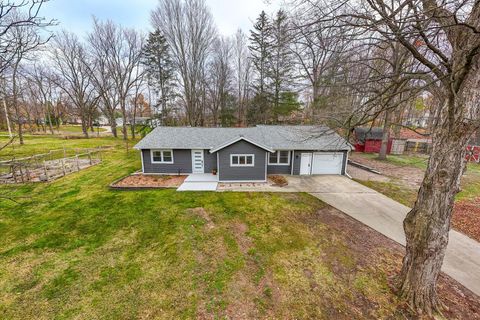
column 8, row 120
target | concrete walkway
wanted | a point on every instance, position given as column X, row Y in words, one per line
column 462, row 260
column 199, row 182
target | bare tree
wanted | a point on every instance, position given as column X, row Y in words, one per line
column 189, row 29
column 18, row 14
column 443, row 39
column 25, row 38
column 219, row 79
column 321, row 50
column 116, row 51
column 242, row 67
column 72, row 76
column 42, row 91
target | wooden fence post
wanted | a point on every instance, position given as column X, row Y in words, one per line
column 63, row 167
column 90, row 157
column 27, row 172
column 76, row 161
column 21, row 173
column 14, row 173
column 46, row 170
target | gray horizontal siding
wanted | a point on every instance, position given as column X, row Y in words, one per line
column 210, row 161
column 182, row 163
column 228, row 173
column 280, row 169
column 297, row 159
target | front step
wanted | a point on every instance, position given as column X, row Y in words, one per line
column 198, row 186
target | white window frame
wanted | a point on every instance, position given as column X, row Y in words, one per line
column 162, row 151
column 278, row 159
column 242, row 155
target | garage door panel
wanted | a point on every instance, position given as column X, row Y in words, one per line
column 327, row 163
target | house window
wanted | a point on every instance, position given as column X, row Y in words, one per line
column 279, row 158
column 242, row 160
column 162, row 156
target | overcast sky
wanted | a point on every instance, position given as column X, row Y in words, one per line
column 76, row 15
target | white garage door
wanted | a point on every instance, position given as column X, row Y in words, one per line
column 327, row 163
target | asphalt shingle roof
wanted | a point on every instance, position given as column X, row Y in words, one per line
column 274, row 137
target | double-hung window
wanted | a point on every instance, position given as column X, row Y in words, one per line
column 242, row 160
column 162, row 156
column 279, row 158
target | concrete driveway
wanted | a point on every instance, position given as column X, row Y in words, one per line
column 462, row 260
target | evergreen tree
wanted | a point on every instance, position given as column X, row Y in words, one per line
column 160, row 70
column 260, row 49
column 280, row 64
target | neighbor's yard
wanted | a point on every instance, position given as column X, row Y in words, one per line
column 402, row 176
column 76, row 249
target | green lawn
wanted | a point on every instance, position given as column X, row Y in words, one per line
column 78, row 129
column 65, row 129
column 76, row 249
column 394, row 190
column 405, row 195
column 42, row 144
column 410, row 160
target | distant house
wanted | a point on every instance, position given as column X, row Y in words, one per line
column 244, row 154
column 138, row 121
column 369, row 140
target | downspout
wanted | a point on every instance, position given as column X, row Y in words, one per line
column 346, row 163
column 292, row 162
column 141, row 155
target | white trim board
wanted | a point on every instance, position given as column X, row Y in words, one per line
column 161, row 162
column 216, row 149
column 278, row 158
column 242, row 155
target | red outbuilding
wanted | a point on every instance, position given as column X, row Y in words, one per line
column 369, row 140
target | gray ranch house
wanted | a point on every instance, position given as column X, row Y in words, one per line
column 244, row 154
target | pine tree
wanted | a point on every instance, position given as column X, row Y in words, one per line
column 160, row 70
column 260, row 49
column 280, row 65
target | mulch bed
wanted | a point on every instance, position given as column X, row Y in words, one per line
column 147, row 181
column 466, row 217
column 278, row 180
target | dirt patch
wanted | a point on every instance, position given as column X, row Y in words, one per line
column 410, row 176
column 466, row 217
column 240, row 230
column 373, row 249
column 146, row 181
column 202, row 213
column 246, row 295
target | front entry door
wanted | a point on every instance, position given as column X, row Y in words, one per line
column 306, row 164
column 197, row 161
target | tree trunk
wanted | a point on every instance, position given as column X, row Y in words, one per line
column 20, row 132
column 428, row 223
column 49, row 118
column 385, row 137
column 113, row 126
column 84, row 126
column 124, row 117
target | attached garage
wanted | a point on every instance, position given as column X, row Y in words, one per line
column 322, row 163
